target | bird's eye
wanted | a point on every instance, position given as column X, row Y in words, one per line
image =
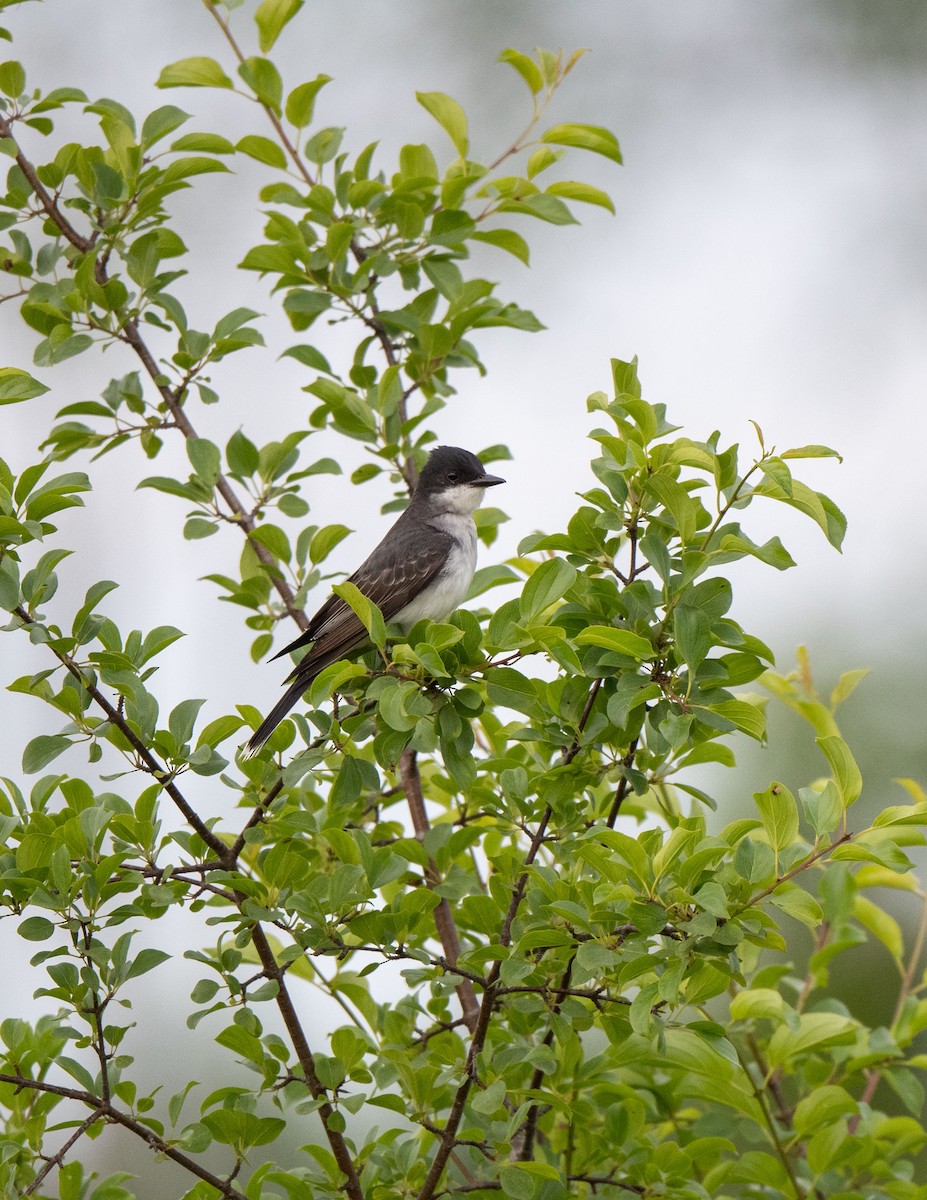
column 452, row 476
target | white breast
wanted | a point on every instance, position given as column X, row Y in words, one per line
column 447, row 591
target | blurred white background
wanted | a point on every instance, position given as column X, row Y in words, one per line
column 767, row 262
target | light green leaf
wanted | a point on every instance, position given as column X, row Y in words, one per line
column 752, row 1003
column 584, row 137
column 300, row 104
column 821, row 1107
column 823, row 807
column 779, row 814
column 798, row 903
column 325, row 541
column 811, row 452
column 814, row 1031
column 878, row 921
column 262, row 149
column 549, row 581
column 263, row 78
column 364, row 609
column 505, row 239
column 12, row 79
column 16, row 386
column 843, row 764
column 748, row 718
column 161, row 122
column 584, row 193
column 449, row 115
column 194, row 72
column 270, row 18
column 526, row 67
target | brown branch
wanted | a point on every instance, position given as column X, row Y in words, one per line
column 129, row 333
column 339, row 1148
column 57, row 1160
column 151, row 764
column 490, row 993
column 444, row 920
column 258, row 815
column 281, row 133
column 624, row 786
column 44, row 197
column 530, row 1127
column 116, row 1117
column 802, row 866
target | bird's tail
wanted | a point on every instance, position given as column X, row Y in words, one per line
column 275, row 716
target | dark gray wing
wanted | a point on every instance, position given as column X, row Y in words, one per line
column 408, row 559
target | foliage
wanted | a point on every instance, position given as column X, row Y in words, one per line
column 599, row 994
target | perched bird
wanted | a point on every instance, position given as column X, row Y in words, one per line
column 421, row 569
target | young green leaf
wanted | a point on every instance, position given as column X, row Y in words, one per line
column 585, row 137
column 194, row 72
column 449, row 115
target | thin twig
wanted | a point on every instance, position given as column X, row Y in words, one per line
column 57, row 1159
column 444, row 919
column 116, row 1117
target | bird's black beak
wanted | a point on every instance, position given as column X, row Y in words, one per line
column 485, row 481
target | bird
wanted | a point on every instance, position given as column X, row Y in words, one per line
column 422, row 569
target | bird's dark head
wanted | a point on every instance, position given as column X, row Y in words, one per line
column 455, row 477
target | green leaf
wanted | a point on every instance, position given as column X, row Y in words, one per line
column 823, row 1106
column 364, row 609
column 878, row 921
column 194, row 72
column 36, row 929
column 270, row 18
column 218, row 730
column 584, row 137
column 449, row 115
column 300, row 104
column 145, row 961
column 812, row 1032
column 526, row 67
column 757, row 1002
column 16, row 386
column 517, row 1183
column 507, row 240
column 584, row 193
column 843, row 764
column 325, row 541
column 204, row 143
column 41, row 750
column 622, row 641
column 161, row 122
column 242, row 455
column 822, row 510
column 692, row 632
column 12, row 79
column 263, row 78
column 779, row 814
column 183, row 718
column 548, row 582
column 748, row 718
column 798, row 903
column 204, row 458
column 262, row 149
column 811, row 452
column 823, row 808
